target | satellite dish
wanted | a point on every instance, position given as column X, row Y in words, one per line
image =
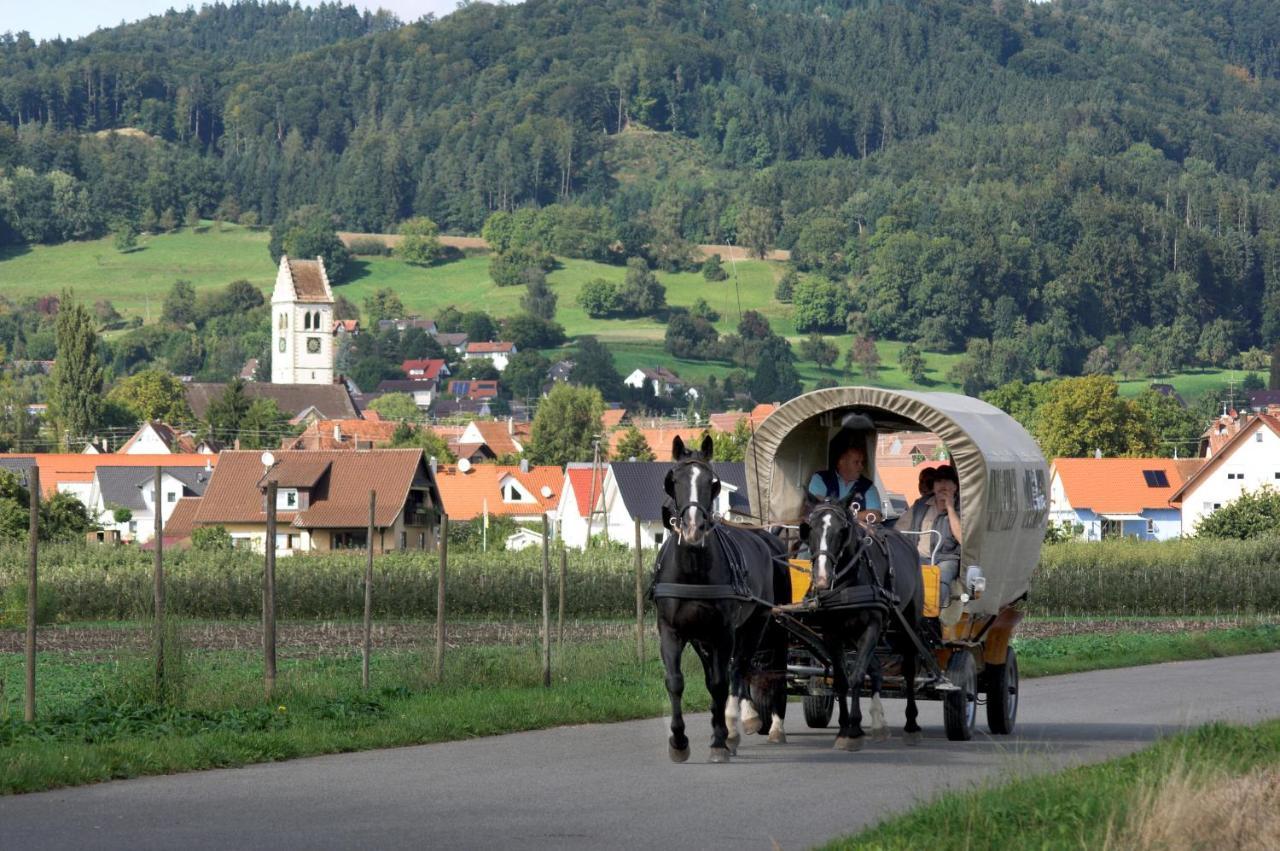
column 268, row 459
column 546, row 491
column 464, row 466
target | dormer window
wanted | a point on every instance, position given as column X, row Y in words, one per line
column 287, row 499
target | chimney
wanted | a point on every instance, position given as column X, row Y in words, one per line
column 511, row 425
column 434, row 463
column 337, row 433
column 524, row 465
column 1097, row 453
column 237, row 444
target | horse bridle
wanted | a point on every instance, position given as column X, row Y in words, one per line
column 849, row 514
column 707, row 514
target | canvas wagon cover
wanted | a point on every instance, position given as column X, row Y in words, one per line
column 1004, row 497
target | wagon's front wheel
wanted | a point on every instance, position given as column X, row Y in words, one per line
column 817, row 710
column 1002, row 694
column 960, row 707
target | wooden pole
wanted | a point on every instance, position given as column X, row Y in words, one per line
column 366, row 648
column 444, row 571
column 33, row 535
column 546, row 601
column 639, row 597
column 564, row 571
column 158, row 581
column 269, row 596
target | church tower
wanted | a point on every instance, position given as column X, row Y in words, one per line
column 302, row 324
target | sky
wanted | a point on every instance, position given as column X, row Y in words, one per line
column 75, row 18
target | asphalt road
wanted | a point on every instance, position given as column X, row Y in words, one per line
column 612, row 786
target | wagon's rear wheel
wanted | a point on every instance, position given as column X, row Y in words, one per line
column 960, row 707
column 1002, row 694
column 817, row 709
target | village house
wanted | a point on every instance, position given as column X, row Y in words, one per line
column 303, row 403
column 499, row 353
column 523, row 493
column 349, row 435
column 74, row 473
column 157, row 438
column 322, row 500
column 422, row 391
column 403, row 324
column 426, row 369
column 728, row 420
column 659, row 438
column 452, row 341
column 346, row 327
column 1104, row 498
column 130, row 490
column 579, row 497
column 489, row 439
column 633, row 490
column 1248, row 460
column 659, row 381
column 475, row 389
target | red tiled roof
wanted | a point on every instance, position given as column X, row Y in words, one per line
column 904, row 480
column 63, row 467
column 348, row 325
column 465, row 494
column 496, row 437
column 340, row 499
column 612, row 417
column 424, row 369
column 319, row 434
column 1117, row 485
column 659, row 440
column 489, row 348
column 182, row 520
column 580, row 479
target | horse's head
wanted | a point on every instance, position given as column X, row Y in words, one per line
column 829, row 530
column 692, row 487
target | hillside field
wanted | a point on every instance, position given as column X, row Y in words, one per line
column 136, row 283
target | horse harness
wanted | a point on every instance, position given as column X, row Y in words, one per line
column 737, row 589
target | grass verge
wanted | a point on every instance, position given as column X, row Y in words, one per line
column 1194, row 783
column 100, row 721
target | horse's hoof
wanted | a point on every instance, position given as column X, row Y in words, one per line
column 777, row 737
column 719, row 756
column 843, row 743
column 677, row 755
column 752, row 725
column 912, row 738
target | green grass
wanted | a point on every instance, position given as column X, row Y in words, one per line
column 1190, row 384
column 1075, row 808
column 99, row 720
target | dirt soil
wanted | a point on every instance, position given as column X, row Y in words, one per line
column 324, row 638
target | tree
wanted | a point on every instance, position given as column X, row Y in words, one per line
column 1253, row 514
column 702, row 310
column 383, row 304
column 599, row 298
column 344, row 308
column 1217, row 343
column 1175, row 427
column 307, row 233
column 1082, row 415
column 911, row 362
column 75, row 391
column 126, row 237
column 818, row 349
column 539, row 300
column 419, row 241
column 633, row 447
column 775, row 379
column 263, row 425
column 152, row 394
column 713, row 269
column 192, row 216
column 525, row 374
column 821, row 304
column 640, row 293
column 786, row 288
column 507, row 268
column 593, row 367
column 180, row 304
column 223, row 416
column 410, row 436
column 396, row 406
column 756, row 230
column 210, row 539
column 690, row 337
column 1274, row 382
column 566, row 425
column 732, row 445
column 530, row 332
column 866, row 355
column 17, row 427
column 479, row 326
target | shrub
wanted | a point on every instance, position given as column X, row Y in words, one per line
column 1254, row 514
column 368, row 246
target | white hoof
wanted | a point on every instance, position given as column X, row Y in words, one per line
column 751, row 722
column 777, row 737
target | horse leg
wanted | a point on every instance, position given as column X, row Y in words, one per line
column 862, row 658
column 840, row 689
column 732, row 707
column 879, row 729
column 672, row 650
column 715, row 663
column 776, row 685
column 911, row 732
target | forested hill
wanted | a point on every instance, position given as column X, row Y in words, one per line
column 1088, row 166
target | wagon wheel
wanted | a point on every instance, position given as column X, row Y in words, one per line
column 960, row 707
column 1002, row 694
column 817, row 709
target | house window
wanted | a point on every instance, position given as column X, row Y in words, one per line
column 657, row 539
column 1235, row 476
column 284, row 542
column 1151, row 526
column 171, row 496
column 347, row 540
column 287, row 498
column 1257, row 438
column 511, row 494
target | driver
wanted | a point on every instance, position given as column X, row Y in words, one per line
column 846, row 475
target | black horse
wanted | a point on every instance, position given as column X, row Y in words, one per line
column 861, row 564
column 714, row 587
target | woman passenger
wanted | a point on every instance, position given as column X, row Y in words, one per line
column 939, row 511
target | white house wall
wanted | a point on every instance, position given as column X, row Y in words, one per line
column 1256, row 462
